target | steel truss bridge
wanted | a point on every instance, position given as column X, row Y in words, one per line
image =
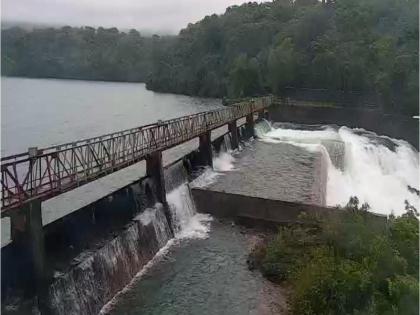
column 45, row 173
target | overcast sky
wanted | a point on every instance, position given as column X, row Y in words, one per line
column 155, row 15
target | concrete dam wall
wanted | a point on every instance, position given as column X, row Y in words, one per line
column 95, row 251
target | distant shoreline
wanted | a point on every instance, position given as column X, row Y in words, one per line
column 70, row 78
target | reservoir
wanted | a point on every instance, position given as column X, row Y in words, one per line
column 46, row 112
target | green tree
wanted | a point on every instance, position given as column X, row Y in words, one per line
column 281, row 65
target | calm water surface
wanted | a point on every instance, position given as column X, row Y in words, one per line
column 44, row 112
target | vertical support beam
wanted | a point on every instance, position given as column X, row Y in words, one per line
column 154, row 170
column 233, row 129
column 204, row 147
column 37, row 243
column 28, row 233
column 249, row 125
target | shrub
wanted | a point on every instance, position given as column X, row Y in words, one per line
column 348, row 263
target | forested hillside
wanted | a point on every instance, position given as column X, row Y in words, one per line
column 369, row 46
column 77, row 53
column 359, row 45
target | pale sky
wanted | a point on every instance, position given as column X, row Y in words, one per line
column 155, row 15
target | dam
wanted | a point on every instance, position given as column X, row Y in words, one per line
column 129, row 253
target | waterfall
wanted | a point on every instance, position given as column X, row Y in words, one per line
column 175, row 176
column 156, row 217
column 187, row 223
column 376, row 169
column 262, row 126
column 96, row 276
column 99, row 274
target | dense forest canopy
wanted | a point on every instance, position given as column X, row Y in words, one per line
column 77, row 53
column 369, row 46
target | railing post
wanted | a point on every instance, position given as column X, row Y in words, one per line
column 32, row 153
column 206, row 152
column 234, row 134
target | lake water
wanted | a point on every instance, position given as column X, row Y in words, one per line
column 44, row 112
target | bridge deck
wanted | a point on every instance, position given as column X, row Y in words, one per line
column 45, row 173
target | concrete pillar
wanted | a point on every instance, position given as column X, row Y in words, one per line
column 28, row 235
column 233, row 129
column 206, row 153
column 154, row 170
column 249, row 125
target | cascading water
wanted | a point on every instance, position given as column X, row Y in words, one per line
column 100, row 273
column 187, row 223
column 262, row 127
column 377, row 169
column 97, row 275
column 156, row 217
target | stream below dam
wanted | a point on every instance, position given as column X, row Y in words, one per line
column 204, row 275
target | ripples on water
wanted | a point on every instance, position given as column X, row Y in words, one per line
column 198, row 276
column 44, row 112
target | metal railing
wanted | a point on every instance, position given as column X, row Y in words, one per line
column 45, row 173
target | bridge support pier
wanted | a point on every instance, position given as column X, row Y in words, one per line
column 154, row 170
column 233, row 129
column 28, row 237
column 206, row 153
column 249, row 125
column 261, row 115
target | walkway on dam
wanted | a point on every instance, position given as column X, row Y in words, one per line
column 64, row 204
column 85, row 180
column 40, row 174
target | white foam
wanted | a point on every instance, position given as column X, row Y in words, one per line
column 223, row 162
column 187, row 222
column 208, row 177
column 308, row 136
column 372, row 172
